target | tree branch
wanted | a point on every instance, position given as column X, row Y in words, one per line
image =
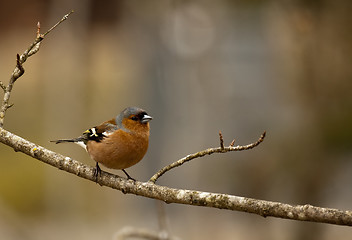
column 181, row 196
column 203, row 153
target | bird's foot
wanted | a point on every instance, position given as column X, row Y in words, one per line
column 128, row 176
column 97, row 172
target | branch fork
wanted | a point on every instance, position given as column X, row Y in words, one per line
column 209, row 151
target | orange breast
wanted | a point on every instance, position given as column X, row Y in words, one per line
column 120, row 150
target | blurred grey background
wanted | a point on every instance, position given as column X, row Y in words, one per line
column 197, row 67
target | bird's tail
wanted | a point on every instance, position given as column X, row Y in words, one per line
column 74, row 140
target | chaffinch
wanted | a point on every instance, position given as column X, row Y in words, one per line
column 118, row 143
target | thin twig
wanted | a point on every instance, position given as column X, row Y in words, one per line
column 142, row 233
column 36, row 47
column 203, row 153
column 232, row 143
column 9, row 105
column 38, row 29
column 221, row 140
column 3, row 86
column 58, row 23
column 19, row 70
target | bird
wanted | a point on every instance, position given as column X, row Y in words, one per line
column 118, row 143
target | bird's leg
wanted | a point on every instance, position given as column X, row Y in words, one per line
column 128, row 176
column 97, row 171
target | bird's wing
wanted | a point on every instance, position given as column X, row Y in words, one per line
column 99, row 132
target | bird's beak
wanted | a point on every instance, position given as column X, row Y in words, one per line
column 146, row 118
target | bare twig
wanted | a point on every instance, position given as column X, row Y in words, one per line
column 141, row 233
column 38, row 30
column 203, row 153
column 232, row 143
column 9, row 105
column 2, row 86
column 19, row 70
column 36, row 47
column 58, row 23
column 221, row 140
column 181, row 196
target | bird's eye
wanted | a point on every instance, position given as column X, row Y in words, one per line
column 134, row 118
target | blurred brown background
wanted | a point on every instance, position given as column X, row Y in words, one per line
column 197, row 67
